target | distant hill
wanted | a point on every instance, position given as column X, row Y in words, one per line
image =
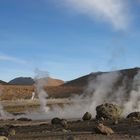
column 126, row 75
column 77, row 86
column 3, row 82
column 30, row 81
column 82, row 81
column 22, row 81
column 54, row 82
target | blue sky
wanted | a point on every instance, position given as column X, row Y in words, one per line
column 68, row 38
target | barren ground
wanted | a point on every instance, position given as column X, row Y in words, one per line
column 43, row 130
column 80, row 130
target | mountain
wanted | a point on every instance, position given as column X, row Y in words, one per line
column 3, row 82
column 22, row 81
column 30, row 81
column 125, row 76
column 82, row 81
column 124, row 80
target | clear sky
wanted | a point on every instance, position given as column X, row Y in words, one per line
column 68, row 38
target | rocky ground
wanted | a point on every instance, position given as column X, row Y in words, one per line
column 126, row 129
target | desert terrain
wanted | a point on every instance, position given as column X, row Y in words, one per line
column 23, row 114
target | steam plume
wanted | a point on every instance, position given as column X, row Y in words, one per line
column 41, row 80
column 113, row 11
column 103, row 88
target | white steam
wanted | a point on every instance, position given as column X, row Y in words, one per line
column 41, row 80
column 102, row 88
column 113, row 11
column 104, row 91
column 33, row 96
column 133, row 103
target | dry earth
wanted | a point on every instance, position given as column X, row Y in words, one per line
column 79, row 130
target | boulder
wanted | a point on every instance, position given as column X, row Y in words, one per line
column 87, row 116
column 7, row 130
column 12, row 132
column 3, row 138
column 70, row 138
column 108, row 111
column 134, row 115
column 102, row 129
column 59, row 122
column 64, row 123
column 56, row 121
column 24, row 119
column 4, row 132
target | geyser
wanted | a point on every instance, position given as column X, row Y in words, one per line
column 103, row 89
column 41, row 80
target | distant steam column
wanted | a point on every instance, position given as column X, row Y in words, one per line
column 33, row 95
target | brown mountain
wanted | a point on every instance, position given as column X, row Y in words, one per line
column 76, row 86
column 124, row 79
column 125, row 75
column 3, row 82
column 30, row 81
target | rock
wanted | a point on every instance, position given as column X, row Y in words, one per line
column 108, row 111
column 12, row 132
column 56, row 121
column 134, row 115
column 87, row 116
column 115, row 122
column 4, row 132
column 102, row 129
column 7, row 130
column 64, row 123
column 59, row 122
column 3, row 138
column 24, row 119
column 61, row 130
column 70, row 138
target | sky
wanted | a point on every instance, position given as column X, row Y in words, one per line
column 68, row 38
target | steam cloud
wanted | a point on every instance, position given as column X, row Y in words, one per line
column 102, row 89
column 113, row 11
column 41, row 80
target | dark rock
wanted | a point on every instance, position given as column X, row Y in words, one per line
column 70, row 138
column 108, row 111
column 56, row 121
column 115, row 122
column 87, row 116
column 102, row 129
column 64, row 123
column 8, row 130
column 59, row 122
column 24, row 119
column 135, row 115
column 4, row 132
